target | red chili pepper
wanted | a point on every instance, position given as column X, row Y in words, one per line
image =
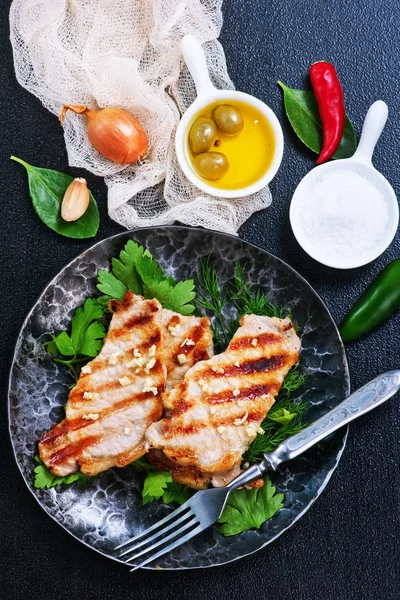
column 329, row 95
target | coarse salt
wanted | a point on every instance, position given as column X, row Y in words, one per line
column 341, row 214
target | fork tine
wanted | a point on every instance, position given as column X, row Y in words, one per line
column 172, row 515
column 162, row 531
column 192, row 522
column 170, row 547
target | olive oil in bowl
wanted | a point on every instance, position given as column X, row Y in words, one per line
column 246, row 155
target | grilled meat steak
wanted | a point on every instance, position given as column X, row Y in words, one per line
column 118, row 394
column 217, row 409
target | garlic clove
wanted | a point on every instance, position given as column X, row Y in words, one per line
column 76, row 200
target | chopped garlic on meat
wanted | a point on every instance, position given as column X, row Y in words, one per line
column 174, row 330
column 221, row 370
column 90, row 395
column 221, row 428
column 181, row 359
column 114, row 358
column 150, row 365
column 201, row 382
column 86, row 369
column 254, row 342
column 91, row 417
column 152, row 350
column 149, row 388
column 251, row 431
column 124, row 381
column 260, row 430
column 242, row 420
column 127, row 430
column 241, row 403
column 236, row 392
column 237, row 364
column 137, row 353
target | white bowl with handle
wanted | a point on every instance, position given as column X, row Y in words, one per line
column 359, row 165
column 208, row 94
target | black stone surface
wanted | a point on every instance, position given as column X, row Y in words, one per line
column 346, row 547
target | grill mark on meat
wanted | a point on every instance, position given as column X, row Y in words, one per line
column 173, row 321
column 74, row 424
column 248, row 393
column 196, row 334
column 250, row 366
column 253, row 417
column 56, row 431
column 139, row 321
column 265, row 339
column 170, row 428
column 72, row 450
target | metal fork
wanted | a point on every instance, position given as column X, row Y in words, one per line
column 205, row 507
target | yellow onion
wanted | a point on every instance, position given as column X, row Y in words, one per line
column 113, row 132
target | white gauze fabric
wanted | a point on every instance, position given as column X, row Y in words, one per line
column 126, row 53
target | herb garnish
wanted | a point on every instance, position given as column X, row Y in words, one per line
column 138, row 271
column 249, row 509
column 86, row 336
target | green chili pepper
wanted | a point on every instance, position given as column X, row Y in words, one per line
column 377, row 304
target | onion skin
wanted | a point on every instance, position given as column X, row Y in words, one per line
column 113, row 132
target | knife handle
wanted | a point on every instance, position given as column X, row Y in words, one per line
column 368, row 397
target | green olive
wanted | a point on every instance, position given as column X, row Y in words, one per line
column 228, row 119
column 211, row 165
column 202, row 135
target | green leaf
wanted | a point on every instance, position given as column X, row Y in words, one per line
column 124, row 267
column 51, row 347
column 47, row 189
column 92, row 339
column 81, row 335
column 150, row 271
column 154, row 485
column 64, row 344
column 176, row 492
column 180, row 296
column 44, row 479
column 281, row 415
column 303, row 114
column 112, row 287
column 249, row 509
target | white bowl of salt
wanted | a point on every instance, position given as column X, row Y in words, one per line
column 344, row 214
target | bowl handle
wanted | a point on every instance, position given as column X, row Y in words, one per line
column 373, row 126
column 195, row 60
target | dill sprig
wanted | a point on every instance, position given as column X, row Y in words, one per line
column 250, row 302
column 275, row 433
column 210, row 296
column 290, row 418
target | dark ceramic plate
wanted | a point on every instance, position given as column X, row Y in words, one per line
column 109, row 511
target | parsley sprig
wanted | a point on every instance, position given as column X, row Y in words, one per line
column 138, row 271
column 85, row 339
